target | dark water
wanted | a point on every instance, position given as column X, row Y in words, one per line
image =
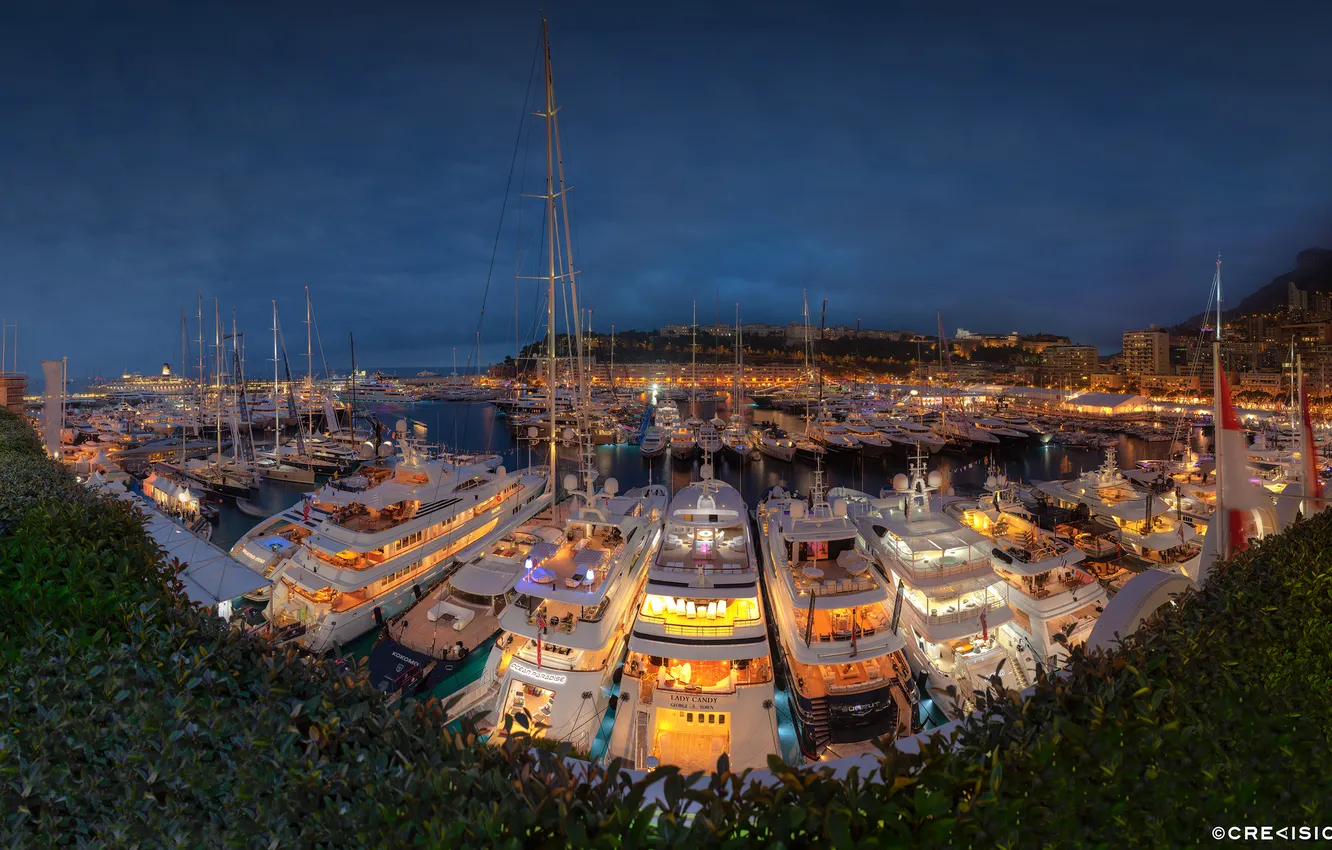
column 478, row 427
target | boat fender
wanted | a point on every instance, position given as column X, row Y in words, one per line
column 379, row 616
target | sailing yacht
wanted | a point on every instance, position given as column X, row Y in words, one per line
column 566, row 634
column 698, row 680
column 1050, row 592
column 833, row 613
column 954, row 600
column 371, row 541
column 735, row 438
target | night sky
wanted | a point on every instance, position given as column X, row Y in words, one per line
column 1032, row 167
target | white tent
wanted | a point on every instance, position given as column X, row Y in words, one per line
column 210, row 575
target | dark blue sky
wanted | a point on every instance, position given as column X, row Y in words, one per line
column 1063, row 167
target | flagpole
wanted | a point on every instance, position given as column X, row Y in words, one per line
column 1222, row 535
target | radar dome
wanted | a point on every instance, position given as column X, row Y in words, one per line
column 839, row 507
column 705, row 471
column 568, row 435
column 611, row 486
column 991, row 481
column 900, row 482
column 532, row 432
column 935, row 478
column 400, row 426
column 949, row 492
column 367, row 450
column 571, row 482
column 499, row 470
column 797, row 510
column 386, row 448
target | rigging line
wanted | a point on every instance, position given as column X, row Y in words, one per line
column 504, row 206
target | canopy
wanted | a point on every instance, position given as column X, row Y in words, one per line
column 210, row 575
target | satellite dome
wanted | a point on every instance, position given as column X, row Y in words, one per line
column 400, row 425
column 568, row 435
column 386, row 448
column 500, row 470
column 839, row 507
column 901, row 482
column 991, row 481
column 935, row 478
column 611, row 486
column 705, row 471
column 571, row 482
column 797, row 510
column 367, row 449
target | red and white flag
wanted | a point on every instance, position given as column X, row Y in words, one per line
column 1313, row 487
column 1238, row 495
column 985, row 630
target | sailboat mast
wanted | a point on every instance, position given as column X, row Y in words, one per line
column 217, row 374
column 693, row 361
column 199, row 381
column 549, row 115
column 277, row 410
column 309, row 369
column 184, row 365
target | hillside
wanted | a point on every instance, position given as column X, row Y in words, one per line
column 1312, row 273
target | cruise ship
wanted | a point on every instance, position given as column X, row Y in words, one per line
column 567, row 630
column 1049, row 591
column 1138, row 521
column 850, row 678
column 372, row 541
column 698, row 680
column 954, row 601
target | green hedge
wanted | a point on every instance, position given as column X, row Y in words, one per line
column 130, row 718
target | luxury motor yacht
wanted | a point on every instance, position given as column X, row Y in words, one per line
column 698, row 680
column 871, row 442
column 773, row 442
column 954, row 600
column 371, row 542
column 850, row 678
column 432, row 638
column 832, row 435
column 654, row 442
column 1138, row 520
column 1049, row 591
column 684, row 443
column 566, row 634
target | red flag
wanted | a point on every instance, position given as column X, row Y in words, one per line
column 1238, row 494
column 541, row 630
column 1313, row 487
column 306, row 512
column 538, row 650
column 985, row 631
column 853, row 633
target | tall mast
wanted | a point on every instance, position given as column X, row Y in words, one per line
column 309, row 369
column 199, row 379
column 549, row 115
column 1223, row 520
column 693, row 361
column 277, row 411
column 184, row 361
column 217, row 374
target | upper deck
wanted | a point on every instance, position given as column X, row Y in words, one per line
column 706, row 532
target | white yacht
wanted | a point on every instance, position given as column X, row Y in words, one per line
column 871, row 442
column 698, row 681
column 1050, row 592
column 851, row 681
column 773, row 442
column 1138, row 521
column 954, row 600
column 566, row 634
column 684, row 443
column 372, row 541
column 654, row 442
column 832, row 435
column 735, row 438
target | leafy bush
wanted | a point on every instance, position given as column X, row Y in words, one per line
column 131, row 718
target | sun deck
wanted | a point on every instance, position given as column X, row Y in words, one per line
column 712, row 550
column 578, row 561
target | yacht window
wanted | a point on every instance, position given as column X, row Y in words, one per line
column 689, row 718
column 721, row 720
